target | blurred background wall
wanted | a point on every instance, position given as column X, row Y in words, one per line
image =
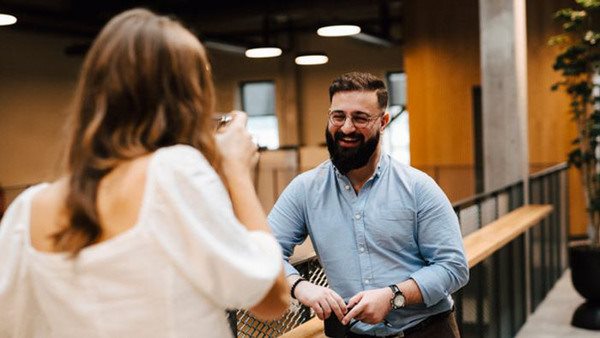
column 435, row 44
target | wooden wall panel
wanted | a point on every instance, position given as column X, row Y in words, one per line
column 550, row 127
column 442, row 66
column 457, row 181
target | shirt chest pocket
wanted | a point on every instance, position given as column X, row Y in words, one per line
column 392, row 229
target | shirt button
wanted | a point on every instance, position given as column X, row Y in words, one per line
column 361, row 248
column 347, row 187
column 367, row 281
column 357, row 216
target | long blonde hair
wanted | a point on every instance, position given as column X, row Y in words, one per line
column 146, row 83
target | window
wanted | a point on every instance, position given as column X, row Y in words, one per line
column 396, row 139
column 258, row 100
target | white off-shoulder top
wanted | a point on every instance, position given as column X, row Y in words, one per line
column 173, row 274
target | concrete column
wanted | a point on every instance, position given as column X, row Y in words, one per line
column 504, row 101
column 504, row 92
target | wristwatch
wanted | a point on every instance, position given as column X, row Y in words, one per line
column 397, row 300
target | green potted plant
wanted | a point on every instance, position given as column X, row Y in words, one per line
column 579, row 63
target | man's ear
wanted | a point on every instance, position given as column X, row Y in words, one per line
column 385, row 119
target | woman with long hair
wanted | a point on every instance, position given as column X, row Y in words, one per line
column 155, row 228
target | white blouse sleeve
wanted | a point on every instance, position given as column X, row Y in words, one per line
column 191, row 216
column 16, row 308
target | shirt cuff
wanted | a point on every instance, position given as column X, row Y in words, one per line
column 429, row 283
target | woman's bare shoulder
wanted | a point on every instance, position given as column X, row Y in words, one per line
column 47, row 213
column 50, row 196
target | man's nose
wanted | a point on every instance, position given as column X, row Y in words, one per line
column 348, row 126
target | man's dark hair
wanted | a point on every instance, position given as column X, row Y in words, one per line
column 360, row 81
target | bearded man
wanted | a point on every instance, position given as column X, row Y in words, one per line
column 385, row 233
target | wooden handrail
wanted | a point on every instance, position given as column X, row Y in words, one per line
column 478, row 246
column 482, row 243
column 312, row 328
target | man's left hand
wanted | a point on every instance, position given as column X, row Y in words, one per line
column 370, row 306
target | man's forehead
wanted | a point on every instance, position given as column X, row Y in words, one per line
column 354, row 100
column 357, row 93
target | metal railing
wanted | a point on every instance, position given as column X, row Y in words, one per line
column 245, row 325
column 479, row 311
column 508, row 285
column 548, row 242
column 503, row 289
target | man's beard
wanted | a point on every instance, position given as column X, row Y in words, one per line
column 346, row 159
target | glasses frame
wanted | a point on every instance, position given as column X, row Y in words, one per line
column 346, row 117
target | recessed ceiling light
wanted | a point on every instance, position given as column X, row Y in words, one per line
column 311, row 59
column 6, row 19
column 338, row 30
column 263, row 52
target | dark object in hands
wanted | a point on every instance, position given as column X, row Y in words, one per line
column 334, row 328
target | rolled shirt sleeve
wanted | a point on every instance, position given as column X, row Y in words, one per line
column 440, row 244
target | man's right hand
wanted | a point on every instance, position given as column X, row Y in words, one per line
column 323, row 301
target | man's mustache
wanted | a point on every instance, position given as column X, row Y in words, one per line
column 340, row 135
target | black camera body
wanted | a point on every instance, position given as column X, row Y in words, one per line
column 334, row 328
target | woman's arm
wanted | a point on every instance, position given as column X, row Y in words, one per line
column 239, row 156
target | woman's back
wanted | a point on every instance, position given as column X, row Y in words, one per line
column 119, row 200
column 172, row 257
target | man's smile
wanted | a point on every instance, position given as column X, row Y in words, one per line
column 348, row 142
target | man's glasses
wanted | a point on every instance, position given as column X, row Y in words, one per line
column 337, row 119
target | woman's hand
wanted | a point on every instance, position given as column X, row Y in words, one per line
column 235, row 145
column 239, row 155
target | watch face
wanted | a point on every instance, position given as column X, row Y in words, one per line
column 399, row 301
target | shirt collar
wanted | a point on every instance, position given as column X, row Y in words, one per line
column 382, row 164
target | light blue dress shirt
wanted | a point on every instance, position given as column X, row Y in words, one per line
column 399, row 226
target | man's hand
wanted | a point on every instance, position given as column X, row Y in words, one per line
column 322, row 300
column 370, row 306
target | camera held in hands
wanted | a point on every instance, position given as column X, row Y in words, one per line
column 222, row 119
column 334, row 328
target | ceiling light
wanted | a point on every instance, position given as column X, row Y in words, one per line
column 224, row 46
column 311, row 59
column 263, row 52
column 6, row 19
column 338, row 30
